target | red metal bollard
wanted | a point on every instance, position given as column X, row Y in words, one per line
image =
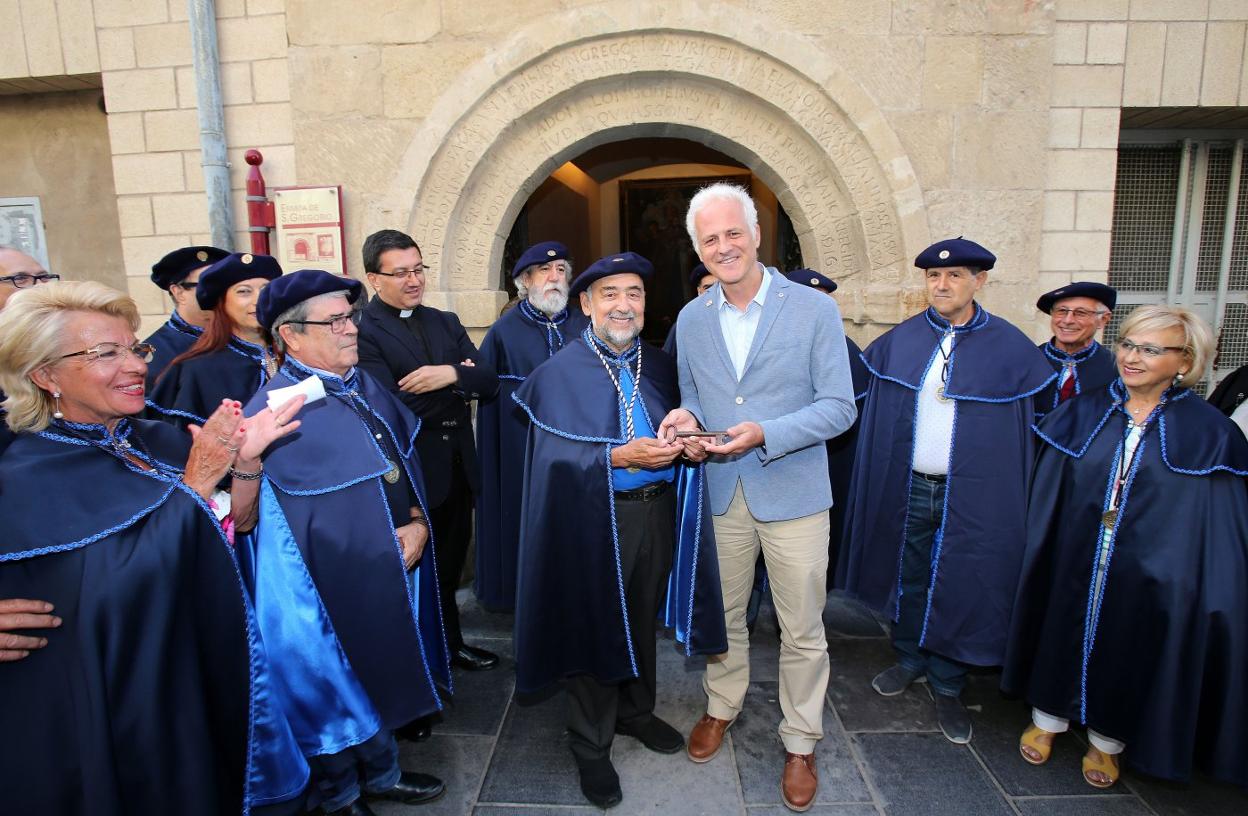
column 260, row 217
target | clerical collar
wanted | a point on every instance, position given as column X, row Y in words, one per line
column 1054, row 353
column 940, row 325
column 403, row 314
column 617, row 358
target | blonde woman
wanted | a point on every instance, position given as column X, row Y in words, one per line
column 152, row 693
column 1132, row 609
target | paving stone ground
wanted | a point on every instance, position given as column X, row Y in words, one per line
column 878, row 756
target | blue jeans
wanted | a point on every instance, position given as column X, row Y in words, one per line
column 338, row 776
column 927, row 500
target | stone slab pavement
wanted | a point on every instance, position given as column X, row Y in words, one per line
column 878, row 756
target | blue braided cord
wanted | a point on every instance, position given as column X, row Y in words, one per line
column 938, row 540
column 407, row 588
column 333, row 488
column 178, row 324
column 697, row 551
column 68, row 440
column 174, row 412
column 884, row 376
column 91, row 539
column 1165, row 457
column 565, row 434
column 978, row 320
column 1087, row 443
column 551, row 324
column 1060, row 357
column 619, row 570
column 998, row 400
column 1093, row 619
column 515, row 377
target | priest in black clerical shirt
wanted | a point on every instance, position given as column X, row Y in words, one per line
column 425, row 356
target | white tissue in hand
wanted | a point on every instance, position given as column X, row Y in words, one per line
column 312, row 388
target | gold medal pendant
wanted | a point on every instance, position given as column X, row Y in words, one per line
column 940, row 394
column 392, row 475
column 1108, row 518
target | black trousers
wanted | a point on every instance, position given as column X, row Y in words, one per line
column 452, row 527
column 646, row 532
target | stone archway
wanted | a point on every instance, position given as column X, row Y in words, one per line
column 813, row 137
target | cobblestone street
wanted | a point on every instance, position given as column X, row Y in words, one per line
column 878, row 756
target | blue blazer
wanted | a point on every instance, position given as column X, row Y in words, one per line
column 795, row 384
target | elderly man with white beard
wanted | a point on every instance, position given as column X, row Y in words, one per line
column 520, row 341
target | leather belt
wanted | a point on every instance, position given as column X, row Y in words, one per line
column 643, row 493
column 938, row 478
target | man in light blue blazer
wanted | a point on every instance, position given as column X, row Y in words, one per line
column 764, row 361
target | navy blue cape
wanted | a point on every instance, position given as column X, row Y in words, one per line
column 357, row 642
column 994, row 372
column 1163, row 664
column 570, row 606
column 154, row 695
column 192, row 390
column 841, row 458
column 174, row 337
column 515, row 345
column 1094, row 368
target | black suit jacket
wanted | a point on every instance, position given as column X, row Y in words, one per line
column 389, row 352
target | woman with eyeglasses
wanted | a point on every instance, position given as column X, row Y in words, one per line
column 230, row 360
column 1132, row 609
column 149, row 692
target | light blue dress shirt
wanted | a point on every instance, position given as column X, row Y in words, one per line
column 739, row 327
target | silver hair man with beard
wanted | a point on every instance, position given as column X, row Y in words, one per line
column 522, row 339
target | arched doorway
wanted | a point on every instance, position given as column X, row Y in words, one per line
column 814, row 138
column 632, row 195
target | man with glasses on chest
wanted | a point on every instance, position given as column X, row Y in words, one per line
column 1077, row 312
column 425, row 357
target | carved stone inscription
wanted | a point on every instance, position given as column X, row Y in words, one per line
column 742, row 102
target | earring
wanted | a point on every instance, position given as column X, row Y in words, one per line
column 1178, row 378
column 56, row 395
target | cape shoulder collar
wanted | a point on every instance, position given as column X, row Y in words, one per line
column 1060, row 357
column 1195, row 438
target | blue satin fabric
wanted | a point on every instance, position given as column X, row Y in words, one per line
column 685, row 607
column 327, row 707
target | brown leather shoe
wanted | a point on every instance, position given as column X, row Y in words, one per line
column 800, row 781
column 706, row 738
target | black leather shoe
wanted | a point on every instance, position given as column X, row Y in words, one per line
column 357, row 808
column 599, row 782
column 412, row 789
column 471, row 658
column 654, row 734
column 416, row 731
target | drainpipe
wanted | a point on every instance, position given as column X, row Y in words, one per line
column 203, row 22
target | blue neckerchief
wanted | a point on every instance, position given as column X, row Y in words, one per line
column 554, row 337
column 619, row 359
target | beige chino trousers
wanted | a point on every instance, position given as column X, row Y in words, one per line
column 796, row 554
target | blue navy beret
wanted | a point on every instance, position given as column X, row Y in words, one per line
column 1097, row 291
column 290, row 290
column 955, row 252
column 538, row 254
column 620, row 264
column 174, row 267
column 811, row 278
column 697, row 274
column 232, row 269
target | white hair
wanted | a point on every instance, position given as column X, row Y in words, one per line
column 522, row 290
column 720, row 191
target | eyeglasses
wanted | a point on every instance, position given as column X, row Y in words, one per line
column 337, row 324
column 414, row 272
column 1151, row 352
column 1077, row 314
column 24, row 280
column 111, row 353
column 188, row 286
